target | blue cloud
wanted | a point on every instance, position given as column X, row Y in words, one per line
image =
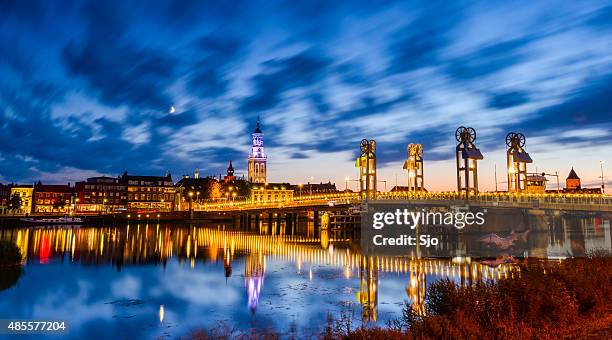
column 280, row 75
column 419, row 43
column 123, row 75
column 488, row 60
column 587, row 107
column 216, row 53
column 508, row 99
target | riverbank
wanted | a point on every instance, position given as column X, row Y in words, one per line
column 568, row 299
column 121, row 218
column 571, row 299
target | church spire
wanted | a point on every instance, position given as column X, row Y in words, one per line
column 230, row 169
column 257, row 157
column 258, row 126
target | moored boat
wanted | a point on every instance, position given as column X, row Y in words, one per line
column 58, row 220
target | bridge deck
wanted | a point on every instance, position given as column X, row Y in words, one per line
column 576, row 202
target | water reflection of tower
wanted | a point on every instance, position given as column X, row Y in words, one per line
column 417, row 287
column 368, row 290
column 227, row 263
column 325, row 230
column 255, row 267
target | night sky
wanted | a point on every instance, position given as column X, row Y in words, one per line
column 87, row 88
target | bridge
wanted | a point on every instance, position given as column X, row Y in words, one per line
column 548, row 201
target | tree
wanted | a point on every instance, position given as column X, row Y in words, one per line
column 15, row 202
column 59, row 204
column 214, row 190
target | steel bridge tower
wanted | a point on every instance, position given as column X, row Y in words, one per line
column 517, row 159
column 467, row 157
column 367, row 169
column 414, row 165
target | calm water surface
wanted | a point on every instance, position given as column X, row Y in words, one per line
column 150, row 280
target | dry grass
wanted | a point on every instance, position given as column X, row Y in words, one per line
column 568, row 299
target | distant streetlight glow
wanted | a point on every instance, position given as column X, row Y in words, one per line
column 603, row 185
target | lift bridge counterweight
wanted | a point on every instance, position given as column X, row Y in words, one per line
column 468, row 156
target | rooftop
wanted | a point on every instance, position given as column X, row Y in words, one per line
column 572, row 175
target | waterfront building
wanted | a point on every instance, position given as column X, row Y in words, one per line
column 573, row 185
column 149, row 193
column 5, row 195
column 257, row 161
column 52, row 198
column 271, row 192
column 205, row 188
column 25, row 193
column 229, row 177
column 314, row 188
column 234, row 188
column 100, row 194
column 572, row 182
column 536, row 184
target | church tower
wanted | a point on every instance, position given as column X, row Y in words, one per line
column 572, row 182
column 257, row 158
column 230, row 174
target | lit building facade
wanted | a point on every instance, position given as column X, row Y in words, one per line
column 572, row 182
column 257, row 160
column 149, row 193
column 54, row 198
column 536, row 184
column 271, row 192
column 25, row 193
column 5, row 195
column 315, row 188
column 100, row 194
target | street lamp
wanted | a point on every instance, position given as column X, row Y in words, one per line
column 74, row 206
column 191, row 203
column 310, row 184
column 603, row 186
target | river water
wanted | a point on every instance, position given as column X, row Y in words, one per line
column 157, row 280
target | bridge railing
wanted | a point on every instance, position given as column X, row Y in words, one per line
column 526, row 200
column 305, row 200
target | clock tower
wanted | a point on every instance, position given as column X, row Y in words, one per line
column 257, row 158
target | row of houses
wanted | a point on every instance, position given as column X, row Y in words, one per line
column 95, row 195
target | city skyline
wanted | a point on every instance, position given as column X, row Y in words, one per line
column 108, row 89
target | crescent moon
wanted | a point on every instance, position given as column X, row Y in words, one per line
column 172, row 109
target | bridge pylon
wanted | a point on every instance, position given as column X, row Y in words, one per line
column 414, row 165
column 468, row 156
column 366, row 162
column 517, row 159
